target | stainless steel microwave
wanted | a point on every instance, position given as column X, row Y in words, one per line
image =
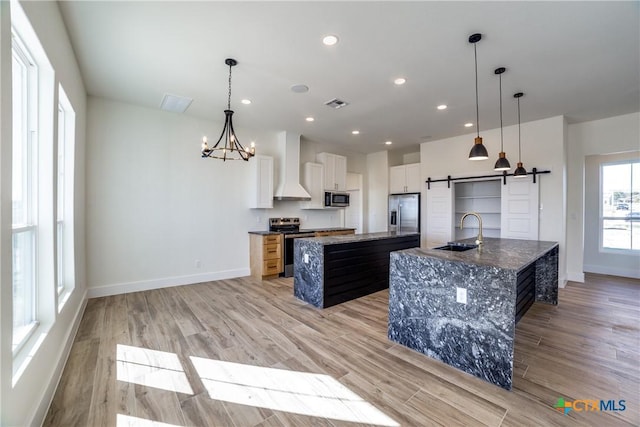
column 336, row 200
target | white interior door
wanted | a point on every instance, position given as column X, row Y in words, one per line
column 439, row 213
column 519, row 219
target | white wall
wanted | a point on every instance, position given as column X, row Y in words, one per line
column 377, row 185
column 618, row 134
column 155, row 207
column 543, row 147
column 25, row 402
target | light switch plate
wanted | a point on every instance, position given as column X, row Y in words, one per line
column 461, row 295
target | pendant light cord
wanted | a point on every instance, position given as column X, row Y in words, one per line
column 519, row 148
column 501, row 139
column 229, row 98
column 475, row 56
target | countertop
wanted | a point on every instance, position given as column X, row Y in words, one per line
column 351, row 238
column 511, row 254
column 304, row 230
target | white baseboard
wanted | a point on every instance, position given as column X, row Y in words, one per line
column 612, row 271
column 575, row 277
column 56, row 375
column 146, row 285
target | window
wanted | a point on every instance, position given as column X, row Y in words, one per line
column 24, row 190
column 64, row 204
column 620, row 205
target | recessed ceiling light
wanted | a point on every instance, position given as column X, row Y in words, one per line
column 468, row 125
column 300, row 88
column 388, row 143
column 246, row 101
column 355, row 132
column 330, row 40
column 400, row 81
column 309, row 119
column 442, row 107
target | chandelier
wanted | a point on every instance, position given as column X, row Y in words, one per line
column 228, row 147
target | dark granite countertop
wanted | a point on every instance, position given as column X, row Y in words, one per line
column 511, row 254
column 314, row 230
column 304, row 230
column 350, row 238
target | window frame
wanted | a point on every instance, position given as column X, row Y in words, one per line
column 28, row 222
column 602, row 217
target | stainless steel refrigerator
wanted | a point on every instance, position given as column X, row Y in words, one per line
column 404, row 212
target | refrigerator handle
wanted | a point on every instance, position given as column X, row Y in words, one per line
column 399, row 217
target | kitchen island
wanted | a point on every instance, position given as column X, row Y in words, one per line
column 462, row 307
column 334, row 269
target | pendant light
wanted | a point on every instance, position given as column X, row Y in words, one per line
column 502, row 164
column 520, row 171
column 478, row 151
column 231, row 149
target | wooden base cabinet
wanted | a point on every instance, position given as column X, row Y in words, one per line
column 265, row 257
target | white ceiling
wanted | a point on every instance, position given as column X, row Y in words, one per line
column 579, row 59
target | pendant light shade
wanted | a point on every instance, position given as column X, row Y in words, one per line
column 228, row 147
column 520, row 171
column 478, row 151
column 502, row 164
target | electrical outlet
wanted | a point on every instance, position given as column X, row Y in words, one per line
column 306, row 258
column 197, row 263
column 258, row 219
column 461, row 295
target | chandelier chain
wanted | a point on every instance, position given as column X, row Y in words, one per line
column 229, row 98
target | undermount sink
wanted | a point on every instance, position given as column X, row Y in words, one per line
column 457, row 247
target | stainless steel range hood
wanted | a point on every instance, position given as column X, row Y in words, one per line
column 289, row 187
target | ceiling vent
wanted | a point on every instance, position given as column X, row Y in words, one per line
column 336, row 103
column 175, row 104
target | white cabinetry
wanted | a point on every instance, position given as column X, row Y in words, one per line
column 312, row 181
column 404, row 179
column 508, row 211
column 261, row 170
column 482, row 197
column 335, row 171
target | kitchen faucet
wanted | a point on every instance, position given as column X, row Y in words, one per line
column 477, row 215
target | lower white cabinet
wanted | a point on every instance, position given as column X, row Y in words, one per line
column 261, row 170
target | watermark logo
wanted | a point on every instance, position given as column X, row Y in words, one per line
column 589, row 405
column 563, row 406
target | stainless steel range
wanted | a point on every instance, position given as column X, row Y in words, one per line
column 290, row 228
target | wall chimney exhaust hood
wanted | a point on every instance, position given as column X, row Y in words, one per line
column 289, row 187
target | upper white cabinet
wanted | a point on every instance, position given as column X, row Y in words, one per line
column 404, row 179
column 335, row 171
column 313, row 182
column 261, row 171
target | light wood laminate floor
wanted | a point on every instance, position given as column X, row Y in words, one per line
column 246, row 353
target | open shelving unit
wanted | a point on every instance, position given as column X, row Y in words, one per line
column 483, row 197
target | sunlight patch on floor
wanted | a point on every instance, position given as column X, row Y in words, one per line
column 282, row 390
column 129, row 421
column 151, row 368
